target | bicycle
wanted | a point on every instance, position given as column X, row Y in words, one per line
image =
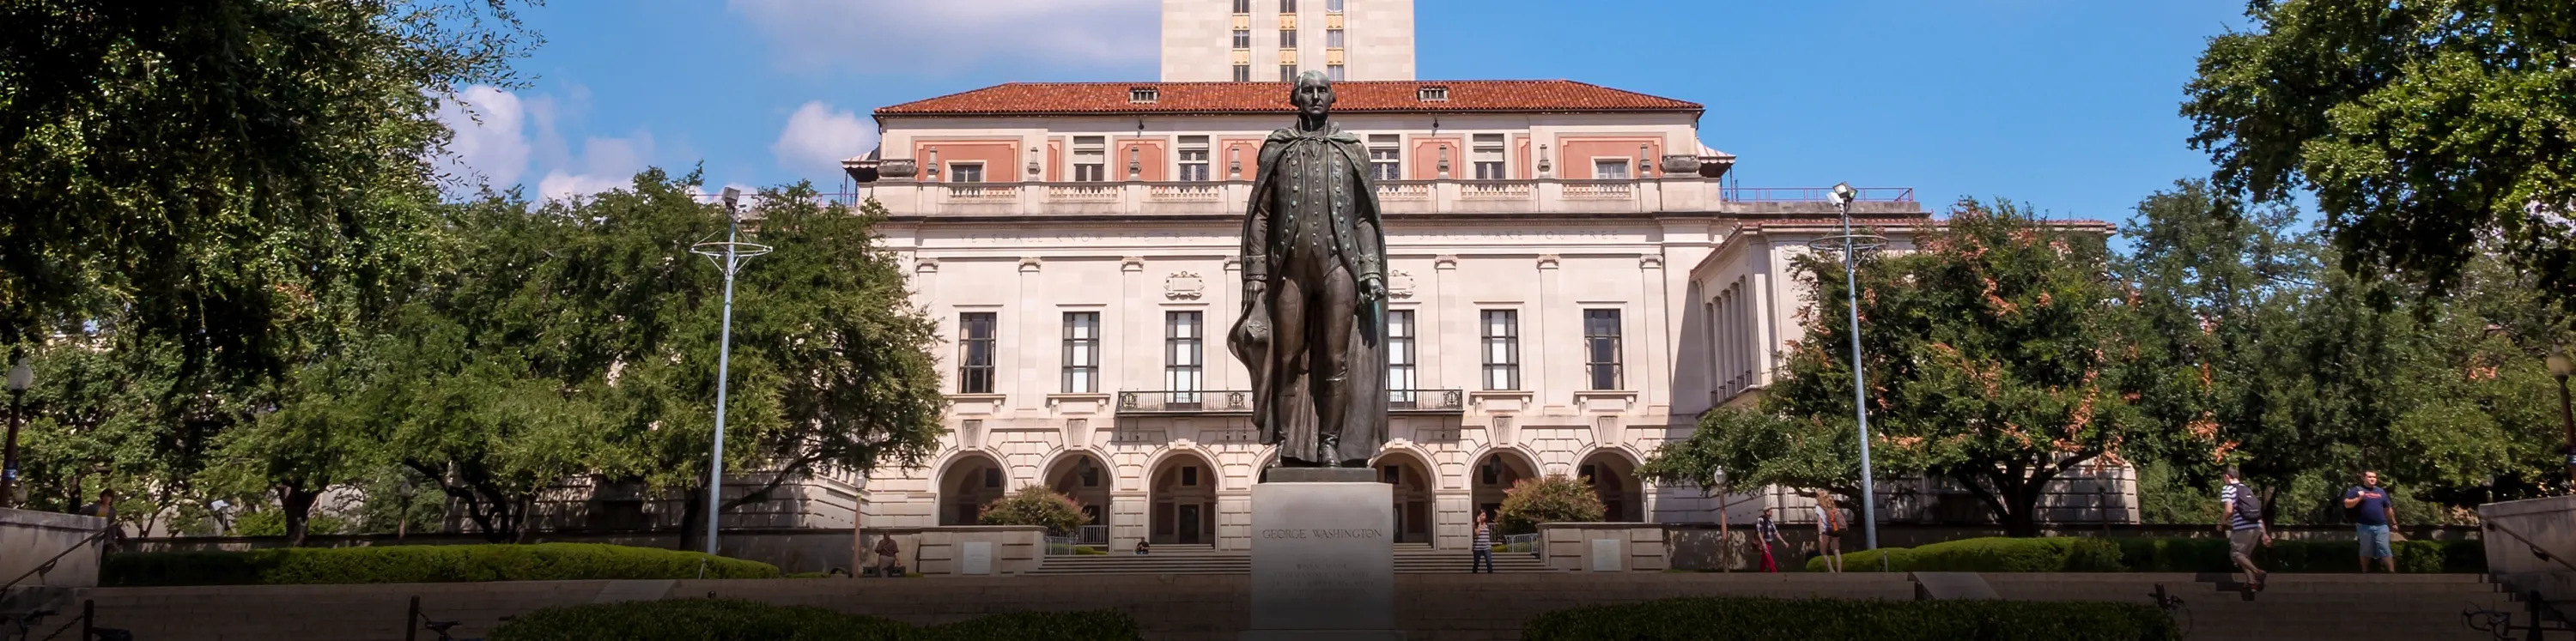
column 419, row 620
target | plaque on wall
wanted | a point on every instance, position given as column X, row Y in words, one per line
column 975, row 557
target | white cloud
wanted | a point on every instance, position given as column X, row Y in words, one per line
column 605, row 164
column 818, row 138
column 491, row 142
column 946, row 35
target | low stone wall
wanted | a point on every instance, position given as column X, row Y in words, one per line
column 1604, row 547
column 793, row 550
column 31, row 539
column 2517, row 528
column 943, row 550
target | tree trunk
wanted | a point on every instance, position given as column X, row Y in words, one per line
column 693, row 518
column 298, row 502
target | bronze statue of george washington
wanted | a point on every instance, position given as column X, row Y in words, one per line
column 1313, row 331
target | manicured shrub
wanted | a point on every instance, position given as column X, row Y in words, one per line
column 1034, row 505
column 1993, row 554
column 732, row 620
column 1554, row 499
column 420, row 564
column 1733, row 618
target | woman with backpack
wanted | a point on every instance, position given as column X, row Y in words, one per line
column 1829, row 531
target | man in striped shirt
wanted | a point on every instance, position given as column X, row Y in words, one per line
column 2244, row 527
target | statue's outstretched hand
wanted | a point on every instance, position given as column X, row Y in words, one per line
column 1372, row 289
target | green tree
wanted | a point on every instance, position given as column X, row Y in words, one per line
column 211, row 174
column 2429, row 130
column 1555, row 498
column 1998, row 356
column 1036, row 505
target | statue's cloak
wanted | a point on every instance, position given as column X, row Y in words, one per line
column 1283, row 406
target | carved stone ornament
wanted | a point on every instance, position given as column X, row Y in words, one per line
column 1031, row 264
column 1399, row 284
column 1132, row 264
column 1547, row 261
column 897, row 169
column 1184, row 286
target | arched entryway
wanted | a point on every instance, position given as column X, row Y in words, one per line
column 1494, row 474
column 1411, row 477
column 971, row 482
column 1084, row 477
column 1183, row 493
column 1614, row 478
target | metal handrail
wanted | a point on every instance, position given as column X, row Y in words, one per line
column 2536, row 548
column 48, row 565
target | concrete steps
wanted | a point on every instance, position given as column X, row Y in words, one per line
column 2216, row 608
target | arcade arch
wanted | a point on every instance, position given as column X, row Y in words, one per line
column 1613, row 477
column 1183, row 496
column 1085, row 477
column 1494, row 474
column 1414, row 505
column 971, row 482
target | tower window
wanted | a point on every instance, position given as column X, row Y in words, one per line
column 1243, row 73
column 1243, row 38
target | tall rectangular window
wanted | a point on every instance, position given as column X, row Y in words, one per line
column 1183, row 359
column 1333, row 38
column 1242, row 6
column 1081, row 352
column 1243, row 38
column 1610, row 169
column 1090, row 158
column 975, row 353
column 1287, row 73
column 1502, row 349
column 1385, row 158
column 1194, row 158
column 1334, row 6
column 1334, row 72
column 1400, row 358
column 1287, row 38
column 1601, row 348
column 1243, row 73
column 1287, row 6
column 1488, row 156
column 966, row 172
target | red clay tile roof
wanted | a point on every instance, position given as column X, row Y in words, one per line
column 1102, row 98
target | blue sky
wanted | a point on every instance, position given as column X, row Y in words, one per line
column 2069, row 105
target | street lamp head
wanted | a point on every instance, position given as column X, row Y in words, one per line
column 1843, row 193
column 732, row 196
column 21, row 375
column 2559, row 364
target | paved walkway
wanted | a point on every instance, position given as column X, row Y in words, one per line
column 1202, row 607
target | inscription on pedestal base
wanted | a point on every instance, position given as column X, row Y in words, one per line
column 1323, row 561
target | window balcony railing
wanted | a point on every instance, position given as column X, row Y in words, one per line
column 1185, row 402
column 1426, row 401
column 1408, row 401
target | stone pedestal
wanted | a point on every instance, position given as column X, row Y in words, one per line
column 1323, row 557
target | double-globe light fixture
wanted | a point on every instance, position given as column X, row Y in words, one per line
column 728, row 255
column 1850, row 244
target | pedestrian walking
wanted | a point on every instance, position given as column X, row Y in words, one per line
column 114, row 536
column 1829, row 531
column 2244, row 527
column 1484, row 546
column 1766, row 532
column 887, row 553
column 2372, row 516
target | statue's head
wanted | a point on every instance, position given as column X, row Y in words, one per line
column 1313, row 94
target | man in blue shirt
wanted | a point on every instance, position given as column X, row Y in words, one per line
column 2373, row 515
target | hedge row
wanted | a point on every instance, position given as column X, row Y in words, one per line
column 731, row 620
column 1733, row 618
column 420, row 564
column 2085, row 554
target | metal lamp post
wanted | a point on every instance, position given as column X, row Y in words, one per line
column 20, row 376
column 2560, row 366
column 1851, row 243
column 728, row 256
